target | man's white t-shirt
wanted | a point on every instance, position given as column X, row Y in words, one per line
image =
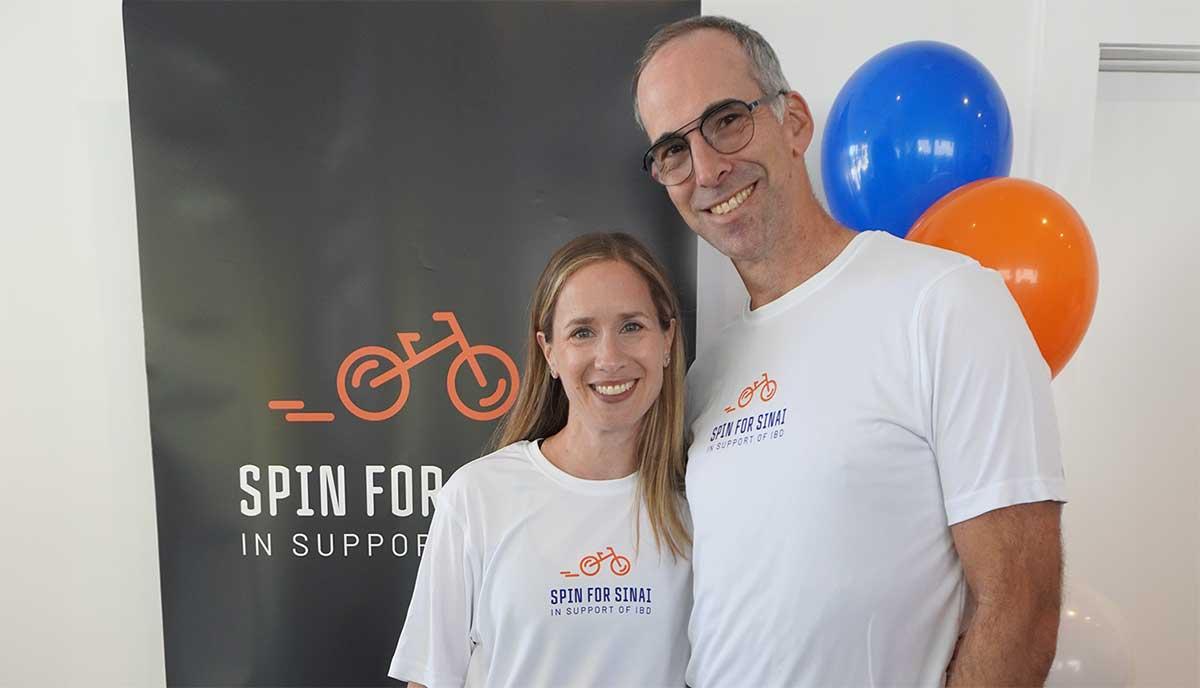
column 532, row 577
column 838, row 432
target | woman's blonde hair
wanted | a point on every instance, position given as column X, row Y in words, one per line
column 541, row 407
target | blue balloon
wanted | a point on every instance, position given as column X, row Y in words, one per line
column 914, row 123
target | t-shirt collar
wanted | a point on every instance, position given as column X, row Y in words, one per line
column 809, row 286
column 576, row 484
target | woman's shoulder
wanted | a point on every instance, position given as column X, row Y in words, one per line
column 488, row 472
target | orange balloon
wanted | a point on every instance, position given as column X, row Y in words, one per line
column 1037, row 241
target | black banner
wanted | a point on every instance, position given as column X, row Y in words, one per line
column 342, row 211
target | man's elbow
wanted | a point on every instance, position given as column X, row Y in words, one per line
column 1028, row 621
column 1034, row 617
column 1044, row 637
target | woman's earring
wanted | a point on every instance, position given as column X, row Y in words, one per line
column 554, row 373
column 666, row 359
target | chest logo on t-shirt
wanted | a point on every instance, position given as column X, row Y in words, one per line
column 764, row 388
column 591, row 600
column 757, row 425
column 591, row 564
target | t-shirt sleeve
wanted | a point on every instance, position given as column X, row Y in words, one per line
column 991, row 418
column 435, row 646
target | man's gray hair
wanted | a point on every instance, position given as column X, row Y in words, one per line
column 764, row 64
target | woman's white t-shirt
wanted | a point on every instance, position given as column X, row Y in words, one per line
column 533, row 577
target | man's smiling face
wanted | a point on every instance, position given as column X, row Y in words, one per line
column 738, row 202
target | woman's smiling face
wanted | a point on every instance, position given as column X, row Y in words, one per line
column 607, row 347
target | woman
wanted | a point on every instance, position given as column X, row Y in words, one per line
column 535, row 572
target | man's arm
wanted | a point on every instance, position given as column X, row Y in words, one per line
column 1012, row 558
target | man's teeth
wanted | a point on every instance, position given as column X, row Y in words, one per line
column 611, row 390
column 738, row 199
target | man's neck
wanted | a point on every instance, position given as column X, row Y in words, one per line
column 807, row 248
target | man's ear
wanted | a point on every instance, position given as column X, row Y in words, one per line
column 798, row 122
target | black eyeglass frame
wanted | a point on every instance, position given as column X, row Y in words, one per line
column 698, row 123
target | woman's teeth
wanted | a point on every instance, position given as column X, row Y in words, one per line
column 738, row 199
column 613, row 390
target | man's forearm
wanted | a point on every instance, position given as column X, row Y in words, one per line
column 1006, row 645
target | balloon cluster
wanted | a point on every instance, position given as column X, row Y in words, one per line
column 919, row 143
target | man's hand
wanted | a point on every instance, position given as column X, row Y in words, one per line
column 1012, row 558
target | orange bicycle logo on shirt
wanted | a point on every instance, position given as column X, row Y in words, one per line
column 372, row 367
column 590, row 564
column 764, row 386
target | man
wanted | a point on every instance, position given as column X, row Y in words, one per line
column 875, row 478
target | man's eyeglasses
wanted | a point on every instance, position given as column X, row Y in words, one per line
column 727, row 127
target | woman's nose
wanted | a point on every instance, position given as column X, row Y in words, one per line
column 608, row 353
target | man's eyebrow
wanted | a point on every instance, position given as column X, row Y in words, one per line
column 669, row 135
column 711, row 106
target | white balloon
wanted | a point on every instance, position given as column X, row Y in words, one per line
column 1093, row 648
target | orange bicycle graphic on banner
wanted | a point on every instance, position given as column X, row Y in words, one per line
column 372, row 367
column 590, row 564
column 764, row 386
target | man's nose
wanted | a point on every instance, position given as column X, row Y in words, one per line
column 709, row 166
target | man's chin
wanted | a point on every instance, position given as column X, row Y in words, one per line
column 733, row 242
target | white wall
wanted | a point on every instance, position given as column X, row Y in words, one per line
column 1127, row 402
column 79, row 593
